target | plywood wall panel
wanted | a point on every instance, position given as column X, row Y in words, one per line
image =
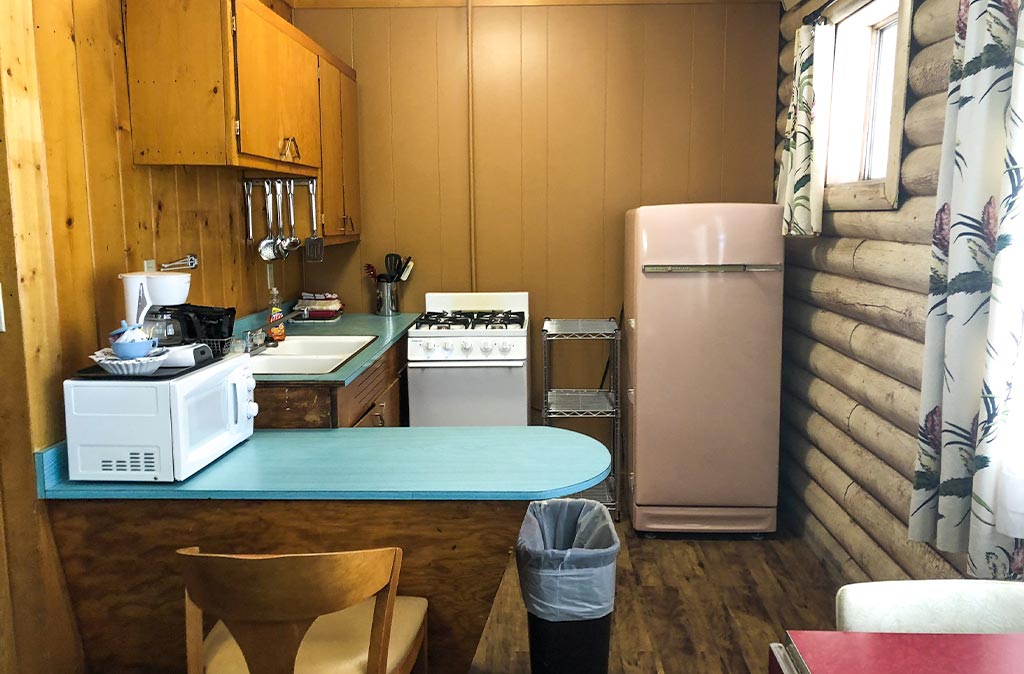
column 623, row 141
column 748, row 146
column 414, row 106
column 498, row 146
column 453, row 147
column 668, row 88
column 707, row 103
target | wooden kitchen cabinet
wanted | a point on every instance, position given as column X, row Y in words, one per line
column 278, row 98
column 339, row 164
column 222, row 82
column 374, row 398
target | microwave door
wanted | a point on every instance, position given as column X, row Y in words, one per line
column 205, row 419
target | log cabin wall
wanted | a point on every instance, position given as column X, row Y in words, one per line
column 854, row 331
column 109, row 215
column 578, row 114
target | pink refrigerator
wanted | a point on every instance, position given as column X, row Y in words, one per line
column 703, row 336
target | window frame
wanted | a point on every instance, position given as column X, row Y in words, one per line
column 881, row 193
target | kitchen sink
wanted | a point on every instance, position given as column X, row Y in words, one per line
column 300, row 354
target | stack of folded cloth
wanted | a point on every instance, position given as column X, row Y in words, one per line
column 320, row 306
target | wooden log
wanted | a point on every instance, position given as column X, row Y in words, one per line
column 792, row 19
column 899, row 265
column 780, row 121
column 804, row 524
column 870, row 556
column 834, row 255
column 786, row 91
column 892, row 309
column 926, row 120
column 935, row 20
column 912, row 223
column 918, row 559
column 895, row 447
column 929, row 70
column 876, row 477
column 786, row 57
column 887, row 352
column 890, row 399
column 920, row 171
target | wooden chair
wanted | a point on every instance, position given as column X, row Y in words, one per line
column 304, row 614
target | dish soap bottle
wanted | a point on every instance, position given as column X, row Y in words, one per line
column 276, row 332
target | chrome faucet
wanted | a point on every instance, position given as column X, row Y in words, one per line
column 256, row 341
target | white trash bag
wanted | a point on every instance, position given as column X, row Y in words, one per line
column 566, row 558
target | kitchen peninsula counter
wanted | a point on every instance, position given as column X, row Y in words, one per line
column 436, row 464
column 452, row 498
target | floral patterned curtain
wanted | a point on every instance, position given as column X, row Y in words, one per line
column 801, row 180
column 969, row 436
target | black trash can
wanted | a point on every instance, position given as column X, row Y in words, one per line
column 566, row 559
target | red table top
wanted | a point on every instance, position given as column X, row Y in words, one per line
column 875, row 653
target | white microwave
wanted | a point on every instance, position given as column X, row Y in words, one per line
column 138, row 430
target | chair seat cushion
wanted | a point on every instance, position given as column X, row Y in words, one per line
column 336, row 643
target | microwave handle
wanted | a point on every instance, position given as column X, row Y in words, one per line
column 241, row 398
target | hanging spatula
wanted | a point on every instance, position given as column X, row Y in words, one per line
column 314, row 244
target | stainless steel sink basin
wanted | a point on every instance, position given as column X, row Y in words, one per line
column 300, row 354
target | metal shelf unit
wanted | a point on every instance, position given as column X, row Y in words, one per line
column 588, row 403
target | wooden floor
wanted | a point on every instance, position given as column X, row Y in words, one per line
column 687, row 605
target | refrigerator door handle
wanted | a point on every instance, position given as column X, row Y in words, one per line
column 707, row 268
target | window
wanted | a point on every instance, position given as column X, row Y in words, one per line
column 865, row 103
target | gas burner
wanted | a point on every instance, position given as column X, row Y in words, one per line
column 444, row 320
column 499, row 320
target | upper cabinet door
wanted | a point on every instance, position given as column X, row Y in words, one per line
column 350, row 153
column 332, row 168
column 278, row 98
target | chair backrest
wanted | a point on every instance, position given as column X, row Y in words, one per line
column 268, row 602
column 931, row 606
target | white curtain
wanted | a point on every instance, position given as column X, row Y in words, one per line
column 969, row 479
column 801, row 180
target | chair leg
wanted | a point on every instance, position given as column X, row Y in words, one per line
column 421, row 661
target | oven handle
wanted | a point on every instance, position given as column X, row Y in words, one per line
column 466, row 363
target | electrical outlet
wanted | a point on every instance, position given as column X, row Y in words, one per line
column 270, row 276
column 149, row 265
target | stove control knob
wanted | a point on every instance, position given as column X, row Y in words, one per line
column 487, row 347
column 428, row 345
column 504, row 347
column 447, row 346
column 467, row 346
column 252, row 409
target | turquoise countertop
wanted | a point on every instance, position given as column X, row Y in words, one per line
column 444, row 464
column 387, row 330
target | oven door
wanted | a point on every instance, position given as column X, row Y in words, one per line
column 468, row 393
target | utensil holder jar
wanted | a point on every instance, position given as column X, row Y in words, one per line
column 387, row 298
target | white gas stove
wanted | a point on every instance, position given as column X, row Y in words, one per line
column 468, row 360
column 471, row 326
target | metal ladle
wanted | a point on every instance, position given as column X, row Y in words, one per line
column 281, row 243
column 268, row 246
column 292, row 242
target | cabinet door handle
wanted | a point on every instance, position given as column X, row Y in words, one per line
column 380, row 414
column 295, row 146
column 285, row 146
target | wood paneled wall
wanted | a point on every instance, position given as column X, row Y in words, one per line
column 578, row 114
column 108, row 214
column 854, row 315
